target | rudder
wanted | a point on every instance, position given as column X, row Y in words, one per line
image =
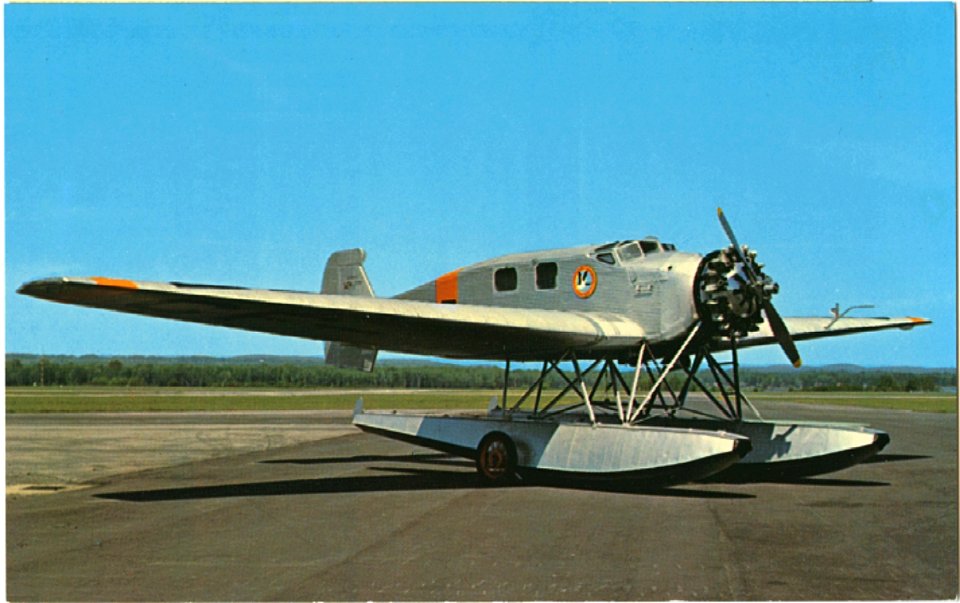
column 344, row 275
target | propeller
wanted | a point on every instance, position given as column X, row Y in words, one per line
column 776, row 323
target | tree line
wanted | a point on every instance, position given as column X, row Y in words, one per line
column 115, row 372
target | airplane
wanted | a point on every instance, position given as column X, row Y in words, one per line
column 639, row 303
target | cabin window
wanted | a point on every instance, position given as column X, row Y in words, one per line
column 505, row 279
column 547, row 275
column 606, row 257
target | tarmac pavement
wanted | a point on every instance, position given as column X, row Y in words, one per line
column 333, row 514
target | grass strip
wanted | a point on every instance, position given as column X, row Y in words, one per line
column 78, row 400
column 78, row 403
column 939, row 403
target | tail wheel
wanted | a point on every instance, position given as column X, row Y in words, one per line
column 496, row 459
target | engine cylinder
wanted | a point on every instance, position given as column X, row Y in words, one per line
column 730, row 293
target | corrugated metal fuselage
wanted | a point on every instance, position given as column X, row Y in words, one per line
column 655, row 290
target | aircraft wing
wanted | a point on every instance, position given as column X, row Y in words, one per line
column 451, row 330
column 802, row 329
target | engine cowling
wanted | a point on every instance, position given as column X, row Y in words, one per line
column 728, row 301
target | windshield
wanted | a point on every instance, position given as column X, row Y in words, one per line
column 629, row 251
column 650, row 246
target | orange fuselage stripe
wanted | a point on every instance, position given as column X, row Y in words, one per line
column 114, row 282
column 447, row 289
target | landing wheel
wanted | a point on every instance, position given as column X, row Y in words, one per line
column 496, row 459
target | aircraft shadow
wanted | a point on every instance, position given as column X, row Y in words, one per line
column 440, row 480
column 793, row 480
column 824, row 481
column 761, row 475
column 620, row 487
column 408, row 479
column 891, row 458
column 432, row 459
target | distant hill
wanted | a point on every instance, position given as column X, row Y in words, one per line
column 310, row 371
column 199, row 360
column 847, row 368
column 208, row 360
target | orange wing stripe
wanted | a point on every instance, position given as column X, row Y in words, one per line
column 447, row 290
column 114, row 282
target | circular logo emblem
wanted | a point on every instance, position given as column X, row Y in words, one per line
column 584, row 281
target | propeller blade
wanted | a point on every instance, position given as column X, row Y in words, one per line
column 777, row 325
column 782, row 334
column 736, row 245
column 726, row 228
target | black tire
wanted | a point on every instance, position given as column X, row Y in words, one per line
column 496, row 459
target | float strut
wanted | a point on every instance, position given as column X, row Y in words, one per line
column 636, row 382
column 506, row 380
column 614, row 374
column 736, row 376
column 583, row 388
column 666, row 371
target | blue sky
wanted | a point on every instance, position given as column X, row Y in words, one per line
column 242, row 144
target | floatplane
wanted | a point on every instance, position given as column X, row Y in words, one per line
column 581, row 312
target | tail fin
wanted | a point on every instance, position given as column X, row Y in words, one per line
column 344, row 275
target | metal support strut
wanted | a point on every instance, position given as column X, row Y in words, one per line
column 666, row 371
column 636, row 381
column 603, row 397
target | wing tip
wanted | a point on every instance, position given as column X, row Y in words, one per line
column 916, row 321
column 44, row 288
column 35, row 287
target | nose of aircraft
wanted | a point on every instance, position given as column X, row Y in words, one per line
column 728, row 295
column 733, row 294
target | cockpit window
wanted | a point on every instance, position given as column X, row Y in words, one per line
column 649, row 246
column 629, row 251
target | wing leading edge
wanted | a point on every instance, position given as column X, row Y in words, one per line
column 805, row 328
column 453, row 331
column 449, row 330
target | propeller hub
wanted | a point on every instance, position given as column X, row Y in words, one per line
column 731, row 290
